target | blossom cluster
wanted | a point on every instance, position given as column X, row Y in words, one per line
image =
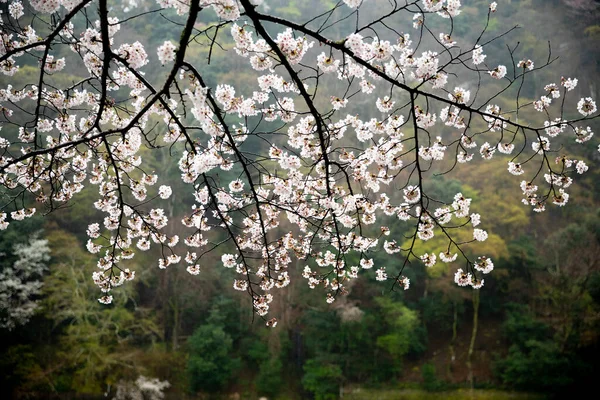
column 332, row 176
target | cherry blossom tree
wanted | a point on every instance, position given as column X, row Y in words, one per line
column 20, row 281
column 352, row 110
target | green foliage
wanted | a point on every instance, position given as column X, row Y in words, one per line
column 99, row 333
column 523, row 256
column 210, row 364
column 269, row 380
column 18, row 364
column 403, row 334
column 593, row 31
column 438, row 310
column 535, row 360
column 594, row 287
column 520, row 325
column 538, row 366
column 460, row 394
column 317, row 336
column 322, row 379
column 431, row 383
column 257, row 350
column 360, row 354
column 349, row 343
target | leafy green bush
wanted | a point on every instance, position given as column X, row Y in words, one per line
column 210, row 365
column 535, row 361
column 520, row 325
column 269, row 379
column 404, row 335
column 431, row 383
column 321, row 379
column 536, row 366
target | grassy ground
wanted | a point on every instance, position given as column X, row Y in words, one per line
column 460, row 394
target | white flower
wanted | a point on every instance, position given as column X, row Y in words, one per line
column 93, row 230
column 226, row 9
column 461, row 278
column 515, row 168
column 366, row 263
column 173, row 259
column 484, row 265
column 53, row 65
column 493, row 6
column 460, row 95
column 428, row 259
column 366, row 86
column 543, row 144
column 164, row 191
column 338, row 103
column 18, row 215
column 506, row 148
column 391, row 247
column 134, row 54
column 553, row 90
column 128, row 275
column 568, row 83
column 143, row 244
column 433, row 5
column 261, row 62
column 581, row 167
column 385, row 104
column 412, row 194
column 166, row 52
column 15, row 9
column 446, row 40
column 480, row 235
column 542, row 104
column 554, row 128
column 586, row 106
column 405, row 282
column 353, row 3
column 380, row 274
column 487, row 151
column 468, row 142
column 327, row 63
column 528, row 187
column 498, row 73
column 475, row 284
column 236, row 185
column 3, row 224
column 417, row 20
column 105, row 299
column 463, row 157
column 193, row 269
column 448, row 257
column 561, row 199
column 228, row 260
column 526, row 64
column 478, row 56
column 583, row 135
column 451, row 9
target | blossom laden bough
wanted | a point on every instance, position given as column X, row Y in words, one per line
column 337, row 164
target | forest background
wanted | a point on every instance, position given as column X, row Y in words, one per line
column 534, row 327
